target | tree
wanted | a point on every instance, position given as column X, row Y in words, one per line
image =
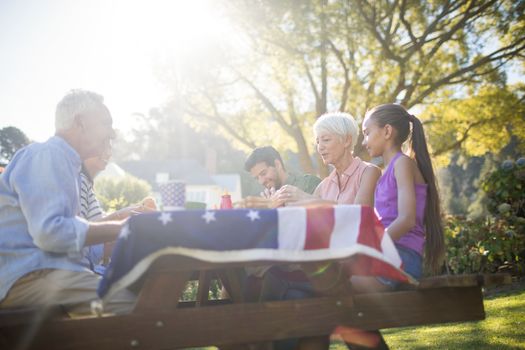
column 484, row 123
column 117, row 194
column 11, row 140
column 301, row 59
column 162, row 135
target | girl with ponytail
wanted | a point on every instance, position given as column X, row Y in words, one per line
column 406, row 195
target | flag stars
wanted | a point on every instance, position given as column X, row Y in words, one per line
column 165, row 217
column 209, row 216
column 253, row 215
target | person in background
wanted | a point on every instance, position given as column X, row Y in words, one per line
column 41, row 235
column 267, row 168
column 90, row 209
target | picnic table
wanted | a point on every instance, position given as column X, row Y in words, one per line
column 158, row 253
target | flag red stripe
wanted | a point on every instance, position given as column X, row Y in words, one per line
column 319, row 227
column 370, row 229
column 363, row 265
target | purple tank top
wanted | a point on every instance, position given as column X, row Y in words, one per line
column 386, row 206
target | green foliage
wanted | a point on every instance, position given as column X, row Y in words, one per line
column 484, row 245
column 489, row 244
column 477, row 125
column 505, row 189
column 115, row 194
column 291, row 61
column 190, row 293
column 11, row 140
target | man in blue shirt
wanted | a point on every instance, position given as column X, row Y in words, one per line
column 41, row 234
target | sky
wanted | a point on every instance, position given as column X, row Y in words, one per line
column 48, row 47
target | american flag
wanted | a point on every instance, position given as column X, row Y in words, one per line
column 173, row 194
column 291, row 234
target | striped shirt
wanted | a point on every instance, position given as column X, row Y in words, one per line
column 89, row 206
column 91, row 211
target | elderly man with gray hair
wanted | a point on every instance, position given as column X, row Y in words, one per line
column 41, row 235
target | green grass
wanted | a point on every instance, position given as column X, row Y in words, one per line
column 503, row 328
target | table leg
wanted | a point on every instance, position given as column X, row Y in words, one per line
column 161, row 291
column 204, row 287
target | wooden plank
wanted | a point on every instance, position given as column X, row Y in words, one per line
column 412, row 308
column 496, row 279
column 30, row 315
column 253, row 322
column 469, row 280
column 231, row 280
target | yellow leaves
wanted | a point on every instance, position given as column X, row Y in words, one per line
column 476, row 125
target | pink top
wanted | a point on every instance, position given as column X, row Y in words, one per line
column 329, row 188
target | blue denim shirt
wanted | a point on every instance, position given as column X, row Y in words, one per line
column 39, row 204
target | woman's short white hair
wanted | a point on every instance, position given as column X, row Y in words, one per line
column 339, row 123
column 76, row 102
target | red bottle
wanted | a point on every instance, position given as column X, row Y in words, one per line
column 226, row 201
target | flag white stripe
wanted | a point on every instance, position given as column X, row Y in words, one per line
column 389, row 250
column 347, row 219
column 292, row 228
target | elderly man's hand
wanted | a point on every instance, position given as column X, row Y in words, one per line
column 145, row 206
column 149, row 202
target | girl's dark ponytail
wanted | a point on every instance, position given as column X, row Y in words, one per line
column 435, row 242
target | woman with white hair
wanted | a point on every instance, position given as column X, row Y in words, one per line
column 352, row 181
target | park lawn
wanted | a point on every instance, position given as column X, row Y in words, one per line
column 503, row 328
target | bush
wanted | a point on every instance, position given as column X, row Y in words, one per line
column 484, row 245
column 496, row 242
column 115, row 194
column 505, row 189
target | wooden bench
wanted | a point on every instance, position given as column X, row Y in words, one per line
column 161, row 321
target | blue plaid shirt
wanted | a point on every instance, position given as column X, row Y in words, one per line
column 39, row 204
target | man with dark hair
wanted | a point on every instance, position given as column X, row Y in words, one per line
column 266, row 166
column 276, row 283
